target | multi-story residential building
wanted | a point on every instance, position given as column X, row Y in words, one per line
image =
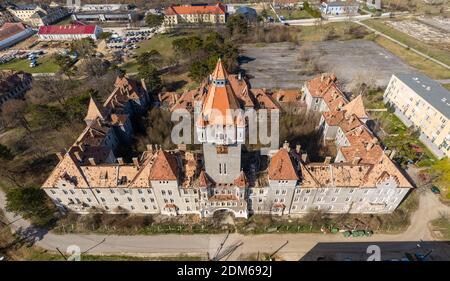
column 424, row 104
column 13, row 85
column 12, row 33
column 5, row 16
column 69, row 32
column 37, row 15
column 90, row 177
column 338, row 7
column 195, row 14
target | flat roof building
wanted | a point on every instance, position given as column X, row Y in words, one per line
column 421, row 102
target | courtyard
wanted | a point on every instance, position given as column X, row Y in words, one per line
column 278, row 65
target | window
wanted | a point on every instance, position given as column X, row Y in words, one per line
column 84, row 191
column 52, row 191
column 139, row 191
column 103, row 199
column 163, row 192
column 169, row 192
column 149, row 191
column 129, row 199
column 65, row 191
column 143, row 200
column 112, row 191
column 115, row 199
column 145, row 207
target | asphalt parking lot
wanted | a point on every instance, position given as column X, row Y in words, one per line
column 277, row 65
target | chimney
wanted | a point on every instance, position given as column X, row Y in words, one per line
column 305, row 158
column 369, row 146
column 81, row 146
column 327, row 160
column 135, row 161
column 60, row 155
column 387, row 152
column 92, row 161
column 298, row 148
column 352, row 118
column 120, row 161
column 286, row 145
column 356, row 160
column 240, row 76
column 391, row 156
column 182, row 147
column 78, row 156
column 149, row 147
column 159, row 97
column 322, row 77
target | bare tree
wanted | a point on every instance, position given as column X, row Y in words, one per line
column 49, row 89
column 13, row 114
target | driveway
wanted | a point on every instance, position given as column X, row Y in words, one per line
column 299, row 244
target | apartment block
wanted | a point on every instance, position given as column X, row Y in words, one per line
column 195, row 14
column 424, row 104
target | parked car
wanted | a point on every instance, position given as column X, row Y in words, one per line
column 435, row 190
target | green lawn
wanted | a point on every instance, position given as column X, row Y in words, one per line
column 432, row 51
column 294, row 14
column 46, row 64
column 447, row 86
column 160, row 42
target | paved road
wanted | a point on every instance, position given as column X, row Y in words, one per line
column 298, row 246
column 403, row 45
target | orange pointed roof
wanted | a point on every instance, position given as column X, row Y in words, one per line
column 356, row 106
column 281, row 166
column 203, row 179
column 219, row 72
column 241, row 180
column 94, row 110
column 220, row 99
column 165, row 167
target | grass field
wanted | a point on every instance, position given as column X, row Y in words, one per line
column 428, row 67
column 46, row 64
column 443, row 226
column 431, row 50
column 294, row 14
column 160, row 42
column 447, row 86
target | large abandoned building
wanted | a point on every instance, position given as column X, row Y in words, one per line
column 362, row 179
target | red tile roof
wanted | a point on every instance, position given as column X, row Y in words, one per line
column 217, row 9
column 67, row 29
column 9, row 29
column 165, row 167
column 281, row 166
